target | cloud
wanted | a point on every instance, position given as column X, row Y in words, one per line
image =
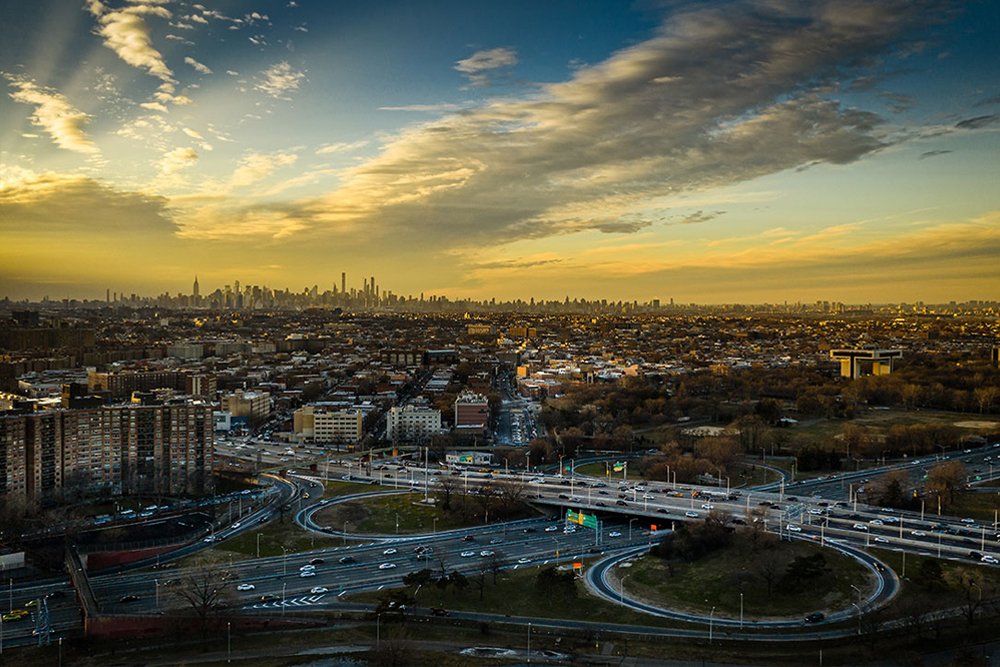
column 924, row 156
column 900, row 103
column 192, row 133
column 178, row 159
column 165, row 95
column 977, row 122
column 232, row 72
column 747, row 96
column 341, row 147
column 199, row 67
column 699, row 216
column 59, row 203
column 476, row 67
column 195, row 18
column 54, row 113
column 988, row 101
column 279, row 79
column 515, row 264
column 154, row 106
column 255, row 167
column 445, row 106
column 126, row 33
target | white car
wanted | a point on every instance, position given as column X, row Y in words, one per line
column 236, row 525
column 318, row 589
column 386, row 566
column 304, row 568
column 968, row 520
column 551, row 529
column 389, row 552
column 307, row 573
column 990, row 559
column 614, row 533
column 882, row 540
column 523, row 561
column 708, row 506
column 468, row 554
column 876, row 522
column 245, row 587
column 485, row 553
column 795, row 529
column 919, row 533
column 860, row 526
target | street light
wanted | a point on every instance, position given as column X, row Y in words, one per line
column 741, row 610
column 229, row 642
column 630, row 528
column 529, row 642
column 621, row 588
column 711, row 619
column 284, row 560
column 258, row 544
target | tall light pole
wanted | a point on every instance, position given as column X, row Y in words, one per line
column 258, row 544
column 711, row 620
column 621, row 589
column 229, row 642
column 741, row 610
column 284, row 560
column 630, row 528
column 283, row 599
column 529, row 642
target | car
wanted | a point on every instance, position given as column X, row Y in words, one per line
column 975, row 555
column 989, row 559
column 437, row 611
column 693, row 515
column 245, row 587
column 468, row 554
column 307, row 573
column 269, row 597
column 877, row 522
column 387, row 566
column 317, row 561
column 56, row 594
column 348, row 559
column 307, row 567
column 614, row 533
column 881, row 540
column 621, row 503
column 130, row 597
column 30, row 603
column 919, row 533
column 794, row 529
column 523, row 561
column 860, row 526
column 708, row 506
column 317, row 590
column 15, row 615
column 472, row 538
column 236, row 525
column 485, row 553
column 551, row 529
column 496, row 540
column 529, row 530
column 815, row 617
column 663, row 510
column 210, row 538
column 389, row 551
column 968, row 520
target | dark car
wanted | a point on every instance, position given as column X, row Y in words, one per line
column 621, row 503
column 269, row 597
column 129, row 598
column 815, row 617
column 348, row 559
column 975, row 555
column 663, row 510
column 469, row 538
column 437, row 611
column 317, row 561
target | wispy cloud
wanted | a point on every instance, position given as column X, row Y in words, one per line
column 977, row 122
column 928, row 154
column 199, row 67
column 477, row 67
column 178, row 159
column 341, row 147
column 126, row 33
column 54, row 113
column 279, row 79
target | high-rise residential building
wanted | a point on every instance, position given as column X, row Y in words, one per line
column 119, row 449
column 412, row 423
column 195, row 292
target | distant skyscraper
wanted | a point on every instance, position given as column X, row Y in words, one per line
column 343, row 282
column 195, row 291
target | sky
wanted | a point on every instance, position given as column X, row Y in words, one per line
column 709, row 152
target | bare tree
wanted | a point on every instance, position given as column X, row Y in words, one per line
column 446, row 488
column 975, row 588
column 495, row 564
column 206, row 588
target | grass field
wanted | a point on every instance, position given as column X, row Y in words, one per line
column 382, row 514
column 714, row 581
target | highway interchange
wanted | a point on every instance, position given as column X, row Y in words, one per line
column 817, row 510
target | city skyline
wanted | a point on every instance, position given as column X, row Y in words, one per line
column 707, row 152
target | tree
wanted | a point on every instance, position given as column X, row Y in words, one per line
column 945, row 480
column 893, row 489
column 805, row 568
column 555, row 586
column 419, row 578
column 446, row 487
column 985, row 397
column 206, row 588
column 973, row 586
column 458, row 580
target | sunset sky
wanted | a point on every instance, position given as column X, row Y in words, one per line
column 702, row 151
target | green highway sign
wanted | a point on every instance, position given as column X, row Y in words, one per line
column 587, row 520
